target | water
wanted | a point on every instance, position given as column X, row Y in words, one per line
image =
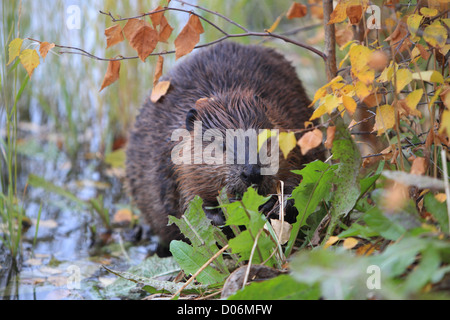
column 66, row 129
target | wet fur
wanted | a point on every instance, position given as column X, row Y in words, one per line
column 245, row 87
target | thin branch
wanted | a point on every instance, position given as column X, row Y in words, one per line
column 247, row 33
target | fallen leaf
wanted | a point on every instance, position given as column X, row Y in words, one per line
column 158, row 70
column 331, row 131
column 14, row 49
column 188, row 37
column 365, row 250
column 287, row 142
column 297, row 10
column 159, row 91
column 30, row 60
column 419, row 166
column 123, row 216
column 441, row 197
column 144, row 41
column 44, row 48
column 310, row 140
column 350, row 243
column 112, row 74
column 114, row 35
column 332, row 240
column 282, row 230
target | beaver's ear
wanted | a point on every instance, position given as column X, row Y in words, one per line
column 190, row 119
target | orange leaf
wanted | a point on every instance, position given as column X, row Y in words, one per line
column 339, row 13
column 159, row 91
column 144, row 41
column 297, row 10
column 113, row 35
column 349, row 104
column 331, row 131
column 354, row 13
column 398, row 36
column 132, row 26
column 188, row 37
column 159, row 70
column 112, row 74
column 310, row 140
column 156, row 17
column 44, row 48
column 165, row 30
column 419, row 166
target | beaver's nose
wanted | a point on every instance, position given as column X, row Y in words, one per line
column 251, row 174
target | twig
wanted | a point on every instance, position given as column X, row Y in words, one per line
column 247, row 272
column 226, row 35
column 207, row 263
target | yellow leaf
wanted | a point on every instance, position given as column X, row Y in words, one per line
column 262, row 137
column 388, row 73
column 349, row 104
column 445, row 122
column 414, row 98
column 14, row 49
column 30, row 60
column 348, row 90
column 287, row 142
column 427, row 12
column 331, row 102
column 320, row 111
column 429, row 76
column 404, row 77
column 385, row 118
column 359, row 57
column 435, row 34
column 441, row 197
column 332, row 240
column 362, row 91
column 339, row 13
column 413, row 23
column 274, row 25
column 350, row 243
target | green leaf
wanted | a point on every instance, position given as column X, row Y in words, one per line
column 381, row 224
column 438, row 210
column 315, row 187
column 116, row 159
column 283, row 287
column 346, row 178
column 199, row 230
column 190, row 260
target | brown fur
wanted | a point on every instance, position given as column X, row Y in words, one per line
column 230, row 86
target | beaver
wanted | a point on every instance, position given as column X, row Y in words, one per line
column 225, row 86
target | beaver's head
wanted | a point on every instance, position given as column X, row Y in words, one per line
column 220, row 149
